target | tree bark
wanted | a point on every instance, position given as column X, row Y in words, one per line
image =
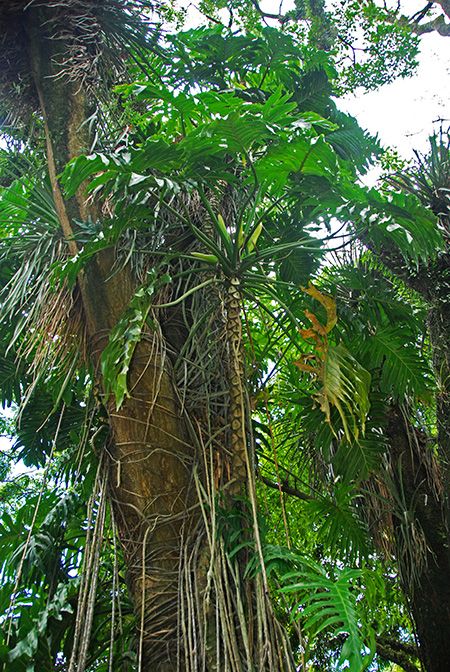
column 425, row 575
column 429, row 593
column 151, row 453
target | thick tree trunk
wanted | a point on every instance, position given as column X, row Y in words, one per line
column 439, row 327
column 429, row 593
column 152, row 459
column 425, row 565
column 150, row 451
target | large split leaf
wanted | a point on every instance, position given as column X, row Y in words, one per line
column 123, row 339
column 55, row 609
column 402, row 369
column 327, row 603
column 346, row 386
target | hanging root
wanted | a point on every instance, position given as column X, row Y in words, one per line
column 225, row 614
column 181, row 482
column 90, row 570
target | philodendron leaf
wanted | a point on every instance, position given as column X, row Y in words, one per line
column 26, row 648
column 331, row 603
column 123, row 339
column 345, row 383
column 403, row 369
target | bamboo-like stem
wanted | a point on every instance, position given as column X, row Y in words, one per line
column 237, row 415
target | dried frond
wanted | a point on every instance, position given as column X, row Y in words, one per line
column 48, row 318
column 58, row 335
column 93, row 39
column 378, row 512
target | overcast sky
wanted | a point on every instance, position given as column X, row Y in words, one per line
column 402, row 113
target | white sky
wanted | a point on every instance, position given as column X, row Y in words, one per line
column 401, row 113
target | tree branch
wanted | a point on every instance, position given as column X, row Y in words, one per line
column 267, row 15
column 397, row 652
column 445, row 6
column 438, row 25
column 287, row 489
column 418, row 16
column 405, row 647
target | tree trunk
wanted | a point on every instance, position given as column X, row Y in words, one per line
column 425, row 563
column 428, row 592
column 439, row 327
column 151, row 454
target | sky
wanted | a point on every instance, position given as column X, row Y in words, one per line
column 402, row 113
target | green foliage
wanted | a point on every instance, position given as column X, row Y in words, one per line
column 124, row 337
column 377, row 47
column 371, row 43
column 235, row 164
column 402, row 368
column 338, row 524
column 346, row 386
column 429, row 178
column 26, row 649
column 324, row 602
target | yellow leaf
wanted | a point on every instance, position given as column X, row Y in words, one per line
column 306, row 367
column 221, row 222
column 328, row 302
column 317, row 326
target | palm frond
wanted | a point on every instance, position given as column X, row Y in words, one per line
column 358, row 460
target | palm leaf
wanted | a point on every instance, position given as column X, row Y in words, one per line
column 356, row 461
